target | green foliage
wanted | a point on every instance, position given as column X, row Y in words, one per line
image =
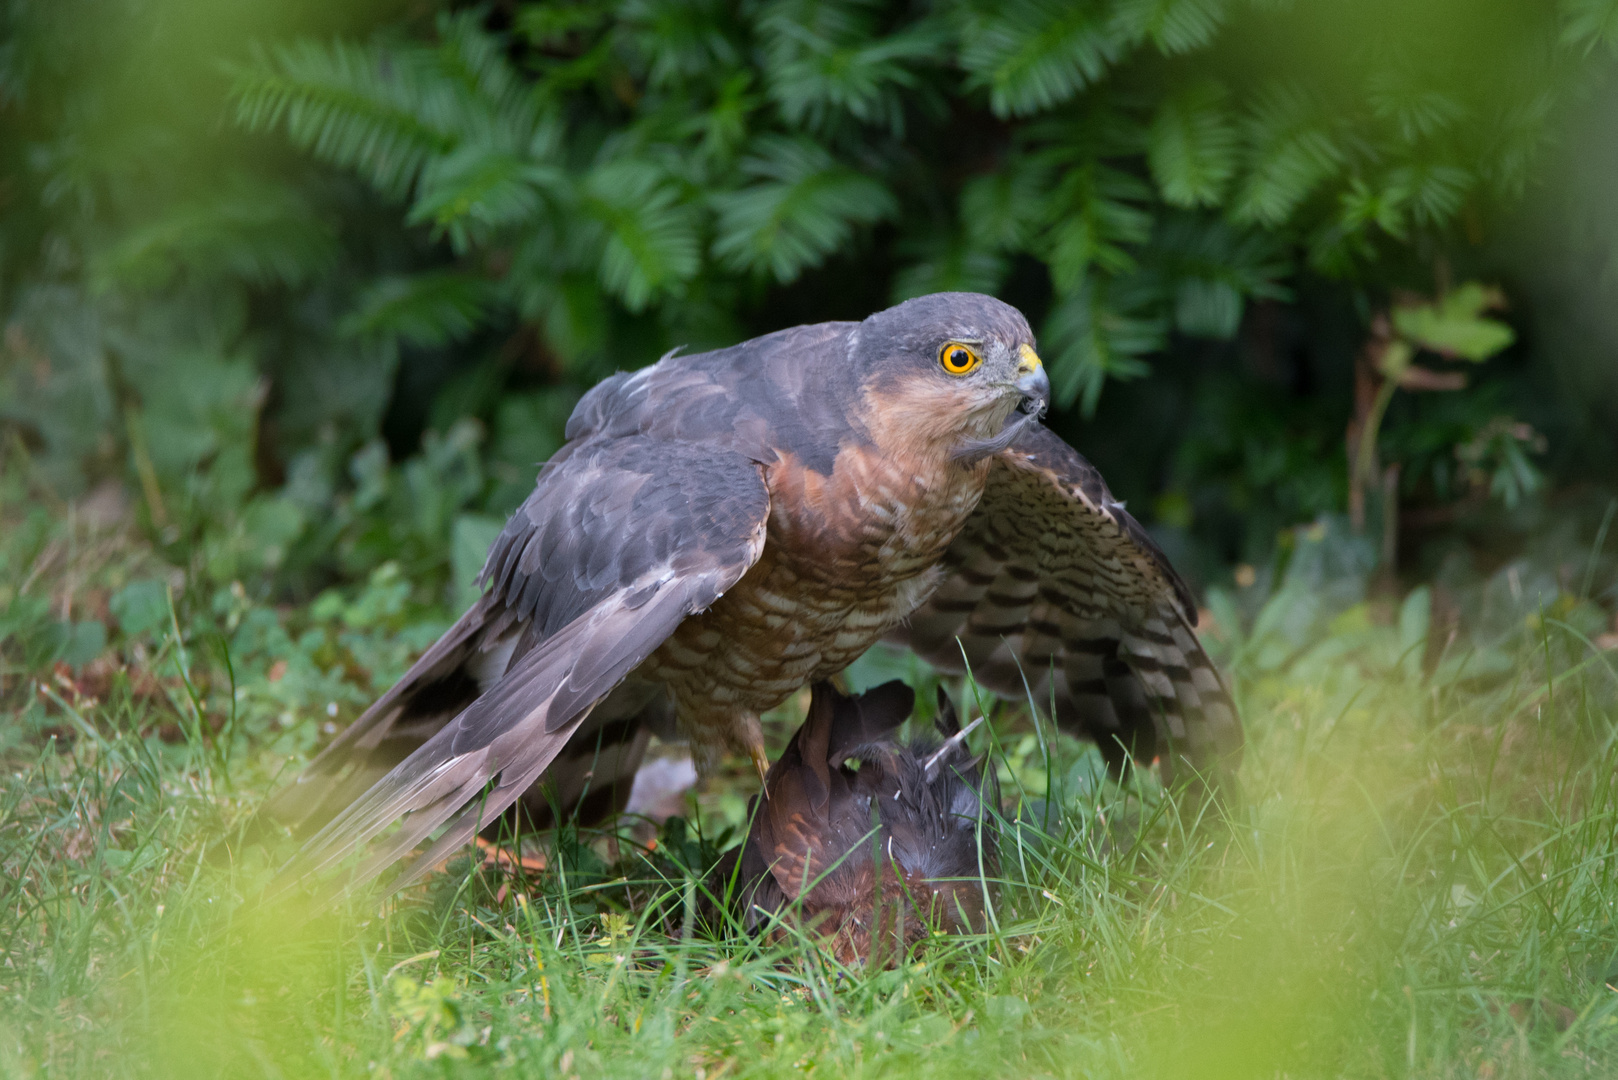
column 1590, row 23
column 431, row 308
column 1034, row 54
column 1454, row 325
column 670, row 146
column 297, row 296
column 1192, row 146
column 801, row 207
column 1429, row 804
column 243, row 251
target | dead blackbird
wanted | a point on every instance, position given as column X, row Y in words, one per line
column 868, row 842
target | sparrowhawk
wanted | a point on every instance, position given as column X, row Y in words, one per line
column 723, row 528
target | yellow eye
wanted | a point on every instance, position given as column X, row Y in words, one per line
column 958, row 359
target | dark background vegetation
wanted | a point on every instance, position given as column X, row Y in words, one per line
column 316, row 284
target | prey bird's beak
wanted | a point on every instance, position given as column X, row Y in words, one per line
column 1032, row 382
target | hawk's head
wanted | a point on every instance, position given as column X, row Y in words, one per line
column 955, row 369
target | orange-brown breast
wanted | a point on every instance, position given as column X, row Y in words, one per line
column 847, row 555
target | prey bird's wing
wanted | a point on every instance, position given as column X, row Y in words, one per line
column 1053, row 591
column 622, row 539
column 811, row 822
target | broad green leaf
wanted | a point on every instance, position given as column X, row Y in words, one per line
column 1455, row 326
column 140, row 606
column 1415, row 617
column 272, row 523
column 82, row 642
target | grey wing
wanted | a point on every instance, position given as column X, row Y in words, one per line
column 621, row 540
column 1052, row 590
column 590, row 779
column 445, row 679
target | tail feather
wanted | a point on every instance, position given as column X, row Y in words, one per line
column 484, row 760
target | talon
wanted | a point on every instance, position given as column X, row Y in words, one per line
column 761, row 762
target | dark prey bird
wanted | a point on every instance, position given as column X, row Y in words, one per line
column 723, row 528
column 870, row 843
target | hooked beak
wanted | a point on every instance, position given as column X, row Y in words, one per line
column 1035, row 387
column 1032, row 383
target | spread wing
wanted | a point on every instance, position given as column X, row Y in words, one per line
column 620, row 541
column 1054, row 591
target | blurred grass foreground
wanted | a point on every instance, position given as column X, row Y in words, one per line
column 295, row 296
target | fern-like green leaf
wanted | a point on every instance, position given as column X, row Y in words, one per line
column 477, row 61
column 1097, row 219
column 558, row 27
column 478, row 188
column 696, row 41
column 1001, row 210
column 425, row 309
column 653, row 243
column 1417, row 105
column 1384, row 205
column 1290, row 152
column 1208, row 268
column 1192, row 146
column 1425, row 194
column 1588, row 23
column 1094, row 333
column 1033, row 54
column 259, row 233
column 387, row 112
column 1174, row 26
column 353, row 106
column 802, row 205
column 948, row 264
column 825, row 58
column 1436, row 190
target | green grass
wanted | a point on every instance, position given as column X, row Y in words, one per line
column 1421, row 881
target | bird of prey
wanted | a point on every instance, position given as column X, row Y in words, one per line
column 720, row 529
column 872, row 858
